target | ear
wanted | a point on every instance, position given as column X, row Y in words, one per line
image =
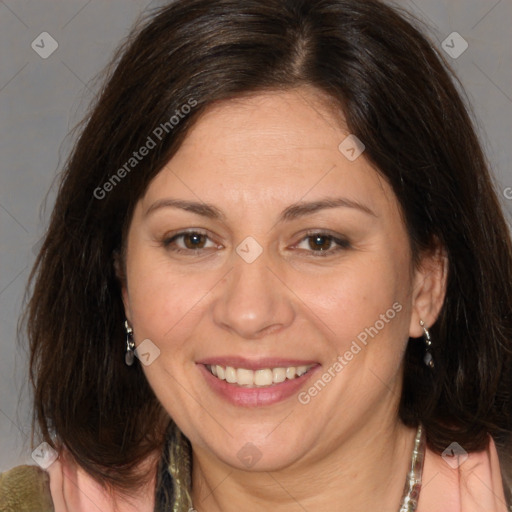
column 120, row 271
column 429, row 289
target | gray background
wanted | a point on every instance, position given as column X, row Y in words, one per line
column 41, row 100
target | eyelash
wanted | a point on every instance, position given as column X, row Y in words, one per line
column 342, row 244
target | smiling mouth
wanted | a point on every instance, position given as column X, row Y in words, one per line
column 257, row 378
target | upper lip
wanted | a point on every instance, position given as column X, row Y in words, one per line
column 255, row 364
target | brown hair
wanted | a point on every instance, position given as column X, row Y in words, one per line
column 397, row 95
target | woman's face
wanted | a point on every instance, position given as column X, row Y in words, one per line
column 296, row 260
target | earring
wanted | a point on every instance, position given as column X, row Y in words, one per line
column 130, row 345
column 428, row 358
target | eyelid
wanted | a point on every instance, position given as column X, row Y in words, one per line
column 188, row 231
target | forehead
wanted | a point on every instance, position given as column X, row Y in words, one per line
column 271, row 147
column 268, row 124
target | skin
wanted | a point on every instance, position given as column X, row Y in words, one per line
column 251, row 158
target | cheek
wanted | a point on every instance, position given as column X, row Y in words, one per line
column 162, row 301
column 166, row 308
column 366, row 302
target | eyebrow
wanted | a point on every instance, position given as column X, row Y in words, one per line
column 294, row 211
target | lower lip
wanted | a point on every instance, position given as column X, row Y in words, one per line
column 256, row 397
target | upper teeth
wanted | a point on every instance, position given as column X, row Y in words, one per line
column 256, row 378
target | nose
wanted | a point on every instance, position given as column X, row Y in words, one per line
column 253, row 301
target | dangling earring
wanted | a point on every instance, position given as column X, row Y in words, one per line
column 428, row 358
column 130, row 345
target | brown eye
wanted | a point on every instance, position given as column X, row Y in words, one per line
column 194, row 240
column 323, row 244
column 320, row 242
column 188, row 241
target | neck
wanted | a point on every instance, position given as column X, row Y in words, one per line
column 366, row 472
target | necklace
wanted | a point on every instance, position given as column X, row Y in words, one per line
column 412, row 485
column 413, row 481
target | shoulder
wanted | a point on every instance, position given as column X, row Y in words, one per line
column 24, row 489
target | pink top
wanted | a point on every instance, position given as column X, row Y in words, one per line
column 473, row 486
column 74, row 490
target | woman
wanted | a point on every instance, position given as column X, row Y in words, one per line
column 276, row 276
